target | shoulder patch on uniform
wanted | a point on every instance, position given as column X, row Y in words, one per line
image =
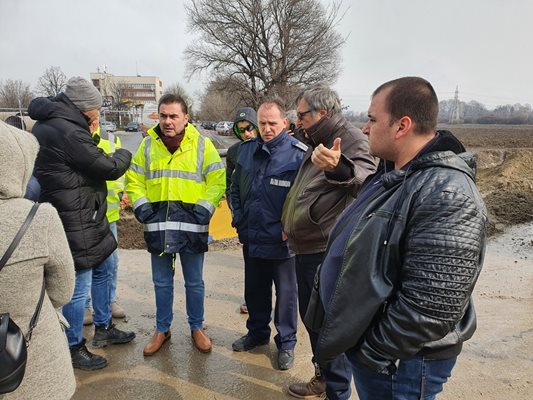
column 300, row 145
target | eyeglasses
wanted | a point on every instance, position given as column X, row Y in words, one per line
column 247, row 128
column 303, row 113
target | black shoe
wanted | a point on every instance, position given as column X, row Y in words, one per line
column 84, row 359
column 110, row 335
column 285, row 359
column 246, row 343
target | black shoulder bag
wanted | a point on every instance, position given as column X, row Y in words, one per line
column 13, row 343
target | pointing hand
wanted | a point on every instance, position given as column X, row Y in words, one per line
column 327, row 159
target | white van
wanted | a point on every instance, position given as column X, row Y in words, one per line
column 149, row 115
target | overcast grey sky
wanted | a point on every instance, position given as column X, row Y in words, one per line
column 482, row 46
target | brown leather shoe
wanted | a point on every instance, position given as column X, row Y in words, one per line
column 155, row 343
column 314, row 389
column 201, row 340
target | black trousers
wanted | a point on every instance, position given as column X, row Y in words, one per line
column 338, row 374
column 259, row 274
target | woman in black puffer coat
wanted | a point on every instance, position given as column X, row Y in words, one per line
column 72, row 172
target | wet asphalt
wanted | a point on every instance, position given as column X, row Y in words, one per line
column 179, row 370
column 494, row 364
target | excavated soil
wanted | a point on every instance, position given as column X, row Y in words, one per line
column 505, row 163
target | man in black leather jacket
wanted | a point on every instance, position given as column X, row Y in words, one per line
column 403, row 259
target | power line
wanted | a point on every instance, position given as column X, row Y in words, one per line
column 454, row 112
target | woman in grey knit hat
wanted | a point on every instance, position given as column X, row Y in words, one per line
column 43, row 253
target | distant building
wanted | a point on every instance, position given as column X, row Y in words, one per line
column 132, row 90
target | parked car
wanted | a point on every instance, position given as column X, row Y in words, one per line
column 209, row 125
column 108, row 126
column 133, row 126
column 224, row 128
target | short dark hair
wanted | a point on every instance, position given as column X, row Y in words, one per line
column 170, row 98
column 278, row 102
column 413, row 97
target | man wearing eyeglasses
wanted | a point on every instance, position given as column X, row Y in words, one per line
column 328, row 181
column 263, row 175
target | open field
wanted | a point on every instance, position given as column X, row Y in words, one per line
column 493, row 136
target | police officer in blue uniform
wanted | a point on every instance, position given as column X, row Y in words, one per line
column 265, row 171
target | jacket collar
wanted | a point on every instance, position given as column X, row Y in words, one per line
column 322, row 131
column 190, row 134
column 444, row 150
column 271, row 145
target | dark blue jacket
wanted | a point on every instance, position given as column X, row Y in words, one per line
column 262, row 178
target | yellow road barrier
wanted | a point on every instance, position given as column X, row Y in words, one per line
column 220, row 225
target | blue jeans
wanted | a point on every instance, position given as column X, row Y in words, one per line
column 113, row 267
column 96, row 280
column 416, row 378
column 338, row 373
column 113, row 270
column 163, row 277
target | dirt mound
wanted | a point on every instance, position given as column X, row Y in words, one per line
column 130, row 231
column 505, row 180
column 505, row 161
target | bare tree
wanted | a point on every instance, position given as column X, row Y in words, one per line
column 217, row 105
column 119, row 91
column 13, row 91
column 52, row 82
column 179, row 90
column 265, row 47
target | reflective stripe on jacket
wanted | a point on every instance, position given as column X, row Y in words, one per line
column 108, row 142
column 175, row 195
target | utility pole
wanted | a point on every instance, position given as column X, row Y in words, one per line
column 455, row 117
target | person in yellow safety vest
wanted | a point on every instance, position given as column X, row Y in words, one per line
column 175, row 182
column 109, row 142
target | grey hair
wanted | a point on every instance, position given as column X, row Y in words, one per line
column 292, row 116
column 322, row 98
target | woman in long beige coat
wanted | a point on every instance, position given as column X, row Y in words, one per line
column 43, row 253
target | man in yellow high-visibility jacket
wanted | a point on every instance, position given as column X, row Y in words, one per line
column 108, row 142
column 175, row 182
